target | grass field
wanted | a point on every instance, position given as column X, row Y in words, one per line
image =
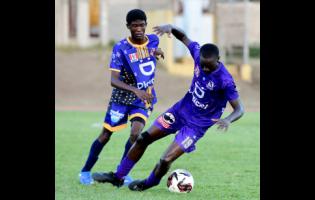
column 224, row 166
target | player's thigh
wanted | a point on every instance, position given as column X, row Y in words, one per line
column 137, row 124
column 138, row 118
column 104, row 135
column 156, row 133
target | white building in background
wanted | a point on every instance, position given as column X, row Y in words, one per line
column 87, row 22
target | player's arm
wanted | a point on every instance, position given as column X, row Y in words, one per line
column 171, row 29
column 158, row 52
column 238, row 110
column 115, row 82
column 237, row 113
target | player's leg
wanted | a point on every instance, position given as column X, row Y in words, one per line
column 137, row 125
column 173, row 152
column 184, row 141
column 162, row 126
column 138, row 117
column 95, row 150
column 113, row 122
column 133, row 155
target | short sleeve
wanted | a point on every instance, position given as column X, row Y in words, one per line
column 154, row 40
column 116, row 63
column 194, row 49
column 231, row 92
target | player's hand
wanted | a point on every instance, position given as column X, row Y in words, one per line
column 160, row 30
column 144, row 96
column 158, row 52
column 223, row 124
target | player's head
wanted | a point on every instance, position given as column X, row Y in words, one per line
column 209, row 56
column 136, row 23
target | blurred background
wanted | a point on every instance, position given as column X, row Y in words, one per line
column 86, row 30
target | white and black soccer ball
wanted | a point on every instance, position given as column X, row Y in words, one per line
column 180, row 181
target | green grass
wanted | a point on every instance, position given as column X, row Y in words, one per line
column 224, row 165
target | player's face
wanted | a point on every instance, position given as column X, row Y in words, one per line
column 137, row 29
column 208, row 64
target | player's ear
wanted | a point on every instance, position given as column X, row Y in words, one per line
column 128, row 26
column 218, row 57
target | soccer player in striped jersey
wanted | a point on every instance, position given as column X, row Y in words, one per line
column 132, row 67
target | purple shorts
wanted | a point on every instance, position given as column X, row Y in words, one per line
column 187, row 136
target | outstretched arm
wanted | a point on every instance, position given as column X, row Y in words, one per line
column 171, row 29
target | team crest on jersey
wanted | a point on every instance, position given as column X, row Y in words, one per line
column 133, row 57
column 210, row 85
column 197, row 71
column 166, row 120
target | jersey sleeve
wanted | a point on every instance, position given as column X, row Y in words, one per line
column 194, row 49
column 231, row 92
column 154, row 40
column 116, row 63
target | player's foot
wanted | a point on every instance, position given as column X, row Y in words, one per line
column 138, row 185
column 127, row 180
column 85, row 178
column 108, row 178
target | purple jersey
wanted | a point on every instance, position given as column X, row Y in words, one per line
column 136, row 64
column 208, row 93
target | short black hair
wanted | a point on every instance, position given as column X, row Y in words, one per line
column 208, row 50
column 135, row 14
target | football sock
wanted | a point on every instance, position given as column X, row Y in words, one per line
column 124, row 168
column 127, row 147
column 95, row 150
column 152, row 180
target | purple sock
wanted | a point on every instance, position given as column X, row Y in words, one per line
column 124, row 168
column 152, row 180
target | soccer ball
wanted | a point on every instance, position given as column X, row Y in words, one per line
column 180, row 181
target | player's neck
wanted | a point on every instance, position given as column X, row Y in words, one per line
column 138, row 42
column 212, row 69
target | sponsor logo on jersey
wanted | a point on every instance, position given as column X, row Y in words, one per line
column 166, row 120
column 147, row 68
column 144, row 84
column 115, row 116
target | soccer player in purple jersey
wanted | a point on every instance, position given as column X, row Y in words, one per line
column 202, row 106
column 132, row 76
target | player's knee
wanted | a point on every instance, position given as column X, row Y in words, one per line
column 166, row 161
column 134, row 134
column 144, row 139
column 104, row 136
column 136, row 128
